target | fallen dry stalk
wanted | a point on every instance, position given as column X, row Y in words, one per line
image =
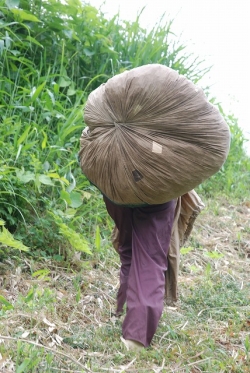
column 7, row 338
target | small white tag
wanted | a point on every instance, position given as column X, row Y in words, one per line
column 156, row 148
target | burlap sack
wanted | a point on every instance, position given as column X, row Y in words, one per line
column 153, row 136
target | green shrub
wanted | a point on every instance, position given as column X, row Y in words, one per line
column 233, row 179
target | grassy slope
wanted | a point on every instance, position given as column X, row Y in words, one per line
column 69, row 311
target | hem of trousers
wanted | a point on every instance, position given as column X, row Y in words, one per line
column 128, row 336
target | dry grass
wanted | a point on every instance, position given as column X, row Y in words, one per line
column 61, row 319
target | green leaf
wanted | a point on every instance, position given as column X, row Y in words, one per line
column 12, row 3
column 56, row 88
column 86, row 195
column 186, row 250
column 29, row 145
column 88, row 52
column 1, row 46
column 34, row 41
column 76, row 200
column 65, row 196
column 24, row 135
column 71, row 90
column 15, row 52
column 37, row 92
column 69, row 213
column 7, row 239
column 6, row 24
column 57, row 177
column 24, row 16
column 37, row 183
column 41, row 274
column 44, row 179
column 23, row 366
column 2, row 222
column 194, row 268
column 5, row 302
column 25, row 177
column 52, row 97
column 97, row 238
column 213, row 254
column 29, row 296
column 74, row 238
column 45, row 138
column 54, row 175
column 64, row 82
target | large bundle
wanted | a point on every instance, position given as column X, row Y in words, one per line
column 153, row 136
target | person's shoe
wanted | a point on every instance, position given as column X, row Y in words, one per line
column 132, row 345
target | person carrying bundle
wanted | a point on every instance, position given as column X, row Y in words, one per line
column 152, row 137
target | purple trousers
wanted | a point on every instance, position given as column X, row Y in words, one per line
column 144, row 240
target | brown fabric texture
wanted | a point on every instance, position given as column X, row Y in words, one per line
column 153, row 136
column 187, row 209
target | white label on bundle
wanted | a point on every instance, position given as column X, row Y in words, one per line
column 156, row 148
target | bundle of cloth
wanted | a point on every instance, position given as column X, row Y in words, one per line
column 152, row 136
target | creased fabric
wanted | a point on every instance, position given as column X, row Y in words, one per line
column 144, row 238
column 187, row 209
column 153, row 136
